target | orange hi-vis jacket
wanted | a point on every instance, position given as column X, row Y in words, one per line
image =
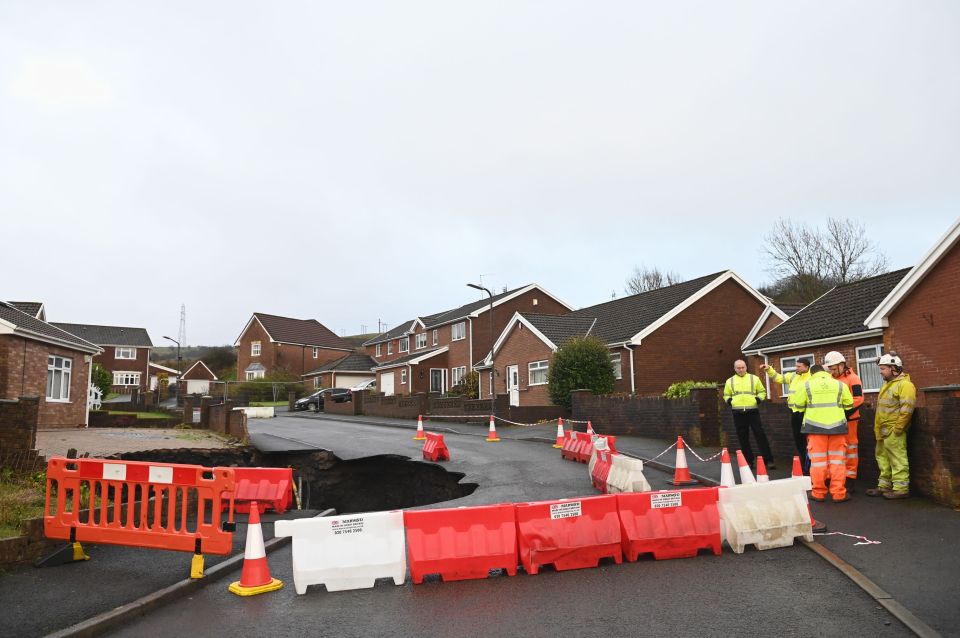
column 852, row 381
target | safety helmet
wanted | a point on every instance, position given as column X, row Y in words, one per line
column 832, row 358
column 890, row 359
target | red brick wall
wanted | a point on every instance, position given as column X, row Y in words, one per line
column 254, row 332
column 925, row 329
column 141, row 364
column 771, row 322
column 520, row 348
column 701, row 343
column 23, row 363
column 502, row 314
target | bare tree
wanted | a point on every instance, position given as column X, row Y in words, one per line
column 850, row 255
column 644, row 279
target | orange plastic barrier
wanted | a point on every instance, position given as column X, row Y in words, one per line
column 434, row 449
column 270, row 487
column 669, row 524
column 461, row 543
column 601, row 470
column 612, row 444
column 570, row 442
column 569, row 533
column 583, row 448
column 109, row 502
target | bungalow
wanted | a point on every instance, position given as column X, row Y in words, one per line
column 432, row 353
column 42, row 360
column 197, row 378
column 271, row 345
column 691, row 330
column 125, row 353
column 346, row 372
column 158, row 372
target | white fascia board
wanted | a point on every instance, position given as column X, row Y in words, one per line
column 199, row 363
column 880, row 317
column 817, row 342
column 29, row 334
column 689, row 301
column 164, row 368
column 312, row 345
column 247, row 326
column 769, row 310
column 517, row 293
column 412, row 362
column 520, row 319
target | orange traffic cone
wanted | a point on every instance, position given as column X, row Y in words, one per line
column 681, row 475
column 420, row 435
column 559, row 442
column 590, row 428
column 255, row 576
column 746, row 476
column 798, row 473
column 762, row 476
column 492, row 435
column 726, row 470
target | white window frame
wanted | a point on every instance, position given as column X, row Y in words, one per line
column 457, row 374
column 436, row 336
column 316, row 383
column 784, row 368
column 126, row 378
column 124, row 352
column 421, row 342
column 617, row 362
column 458, row 328
column 403, row 345
column 62, row 367
column 869, row 360
column 254, row 374
column 538, row 368
column 403, row 376
column 390, row 347
column 316, row 352
column 379, row 350
column 255, row 349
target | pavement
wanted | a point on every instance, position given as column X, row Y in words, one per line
column 106, row 441
column 789, row 591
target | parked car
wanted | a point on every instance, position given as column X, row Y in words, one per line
column 315, row 400
column 366, row 385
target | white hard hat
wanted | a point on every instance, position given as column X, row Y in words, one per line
column 832, row 358
column 890, row 359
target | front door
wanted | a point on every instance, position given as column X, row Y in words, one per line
column 386, row 383
column 513, row 384
column 438, row 380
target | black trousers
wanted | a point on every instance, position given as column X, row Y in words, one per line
column 745, row 421
column 800, row 440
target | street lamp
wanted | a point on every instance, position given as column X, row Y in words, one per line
column 493, row 369
column 178, row 355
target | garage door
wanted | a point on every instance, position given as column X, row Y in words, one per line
column 386, row 383
column 352, row 380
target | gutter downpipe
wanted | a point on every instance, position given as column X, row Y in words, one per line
column 633, row 381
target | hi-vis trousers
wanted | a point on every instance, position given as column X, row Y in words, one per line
column 828, row 459
column 853, row 456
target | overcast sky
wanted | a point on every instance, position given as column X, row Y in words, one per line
column 361, row 161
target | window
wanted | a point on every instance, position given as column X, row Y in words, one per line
column 617, row 368
column 538, row 372
column 457, row 374
column 389, row 347
column 458, row 331
column 254, row 374
column 421, row 340
column 316, row 351
column 404, row 344
column 255, row 349
column 867, row 368
column 126, row 378
column 438, row 380
column 789, row 364
column 403, row 377
column 58, row 378
column 124, row 353
column 316, row 382
column 379, row 349
column 436, row 336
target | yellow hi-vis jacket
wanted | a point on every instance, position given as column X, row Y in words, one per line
column 825, row 402
column 794, row 380
column 744, row 392
column 895, row 404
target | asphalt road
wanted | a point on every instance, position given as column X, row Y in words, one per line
column 788, row 591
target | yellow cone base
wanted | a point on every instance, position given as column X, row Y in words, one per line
column 240, row 590
column 489, row 440
column 558, row 446
column 196, row 566
column 78, row 553
column 419, row 438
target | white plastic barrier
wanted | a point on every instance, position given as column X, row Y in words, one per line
column 346, row 552
column 599, row 445
column 767, row 515
column 258, row 412
column 626, row 475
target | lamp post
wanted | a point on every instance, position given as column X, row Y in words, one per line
column 493, row 384
column 179, row 371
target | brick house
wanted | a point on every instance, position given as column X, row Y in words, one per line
column 197, row 378
column 157, row 371
column 433, row 352
column 126, row 353
column 346, row 372
column 271, row 345
column 691, row 330
column 39, row 359
column 835, row 321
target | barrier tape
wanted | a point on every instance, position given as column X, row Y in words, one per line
column 863, row 539
column 673, row 445
column 486, row 418
column 694, row 452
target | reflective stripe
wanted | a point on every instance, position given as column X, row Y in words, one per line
column 823, row 464
column 826, row 426
column 852, row 446
column 835, row 462
column 821, row 405
column 884, row 484
column 814, row 455
column 852, row 456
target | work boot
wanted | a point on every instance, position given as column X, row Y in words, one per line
column 877, row 491
column 851, row 483
column 846, row 497
column 819, row 499
column 771, row 465
column 819, row 526
column 896, row 495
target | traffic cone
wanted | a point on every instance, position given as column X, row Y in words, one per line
column 762, row 476
column 797, row 472
column 726, row 470
column 420, row 435
column 797, row 468
column 255, row 576
column 559, row 442
column 590, row 428
column 746, row 476
column 492, row 435
column 681, row 475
